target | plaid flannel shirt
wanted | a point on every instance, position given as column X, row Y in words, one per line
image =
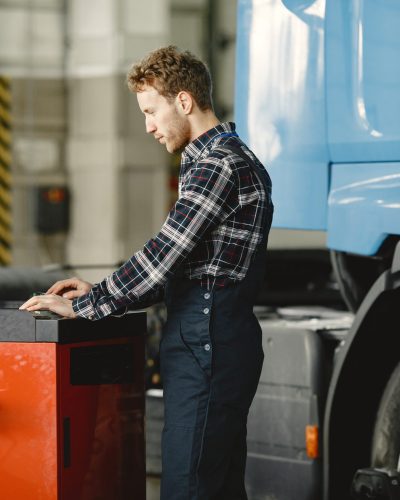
column 221, row 216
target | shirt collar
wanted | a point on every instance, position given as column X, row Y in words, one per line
column 195, row 148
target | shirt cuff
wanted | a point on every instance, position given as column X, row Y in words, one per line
column 120, row 313
column 83, row 308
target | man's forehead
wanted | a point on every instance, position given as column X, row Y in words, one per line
column 149, row 94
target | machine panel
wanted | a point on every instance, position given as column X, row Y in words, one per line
column 71, row 410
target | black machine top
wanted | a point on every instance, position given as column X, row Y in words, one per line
column 24, row 326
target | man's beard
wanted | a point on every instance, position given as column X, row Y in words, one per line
column 179, row 134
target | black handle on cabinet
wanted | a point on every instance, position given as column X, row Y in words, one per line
column 67, row 441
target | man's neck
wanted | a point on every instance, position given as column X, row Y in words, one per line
column 201, row 123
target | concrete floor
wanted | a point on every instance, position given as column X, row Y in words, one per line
column 152, row 488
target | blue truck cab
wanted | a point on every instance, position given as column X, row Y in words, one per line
column 318, row 100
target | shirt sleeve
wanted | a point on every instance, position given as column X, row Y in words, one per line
column 205, row 201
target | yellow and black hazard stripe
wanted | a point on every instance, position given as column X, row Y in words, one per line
column 5, row 171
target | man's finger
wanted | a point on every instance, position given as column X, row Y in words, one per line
column 60, row 285
column 54, row 303
column 56, row 287
column 72, row 294
column 33, row 304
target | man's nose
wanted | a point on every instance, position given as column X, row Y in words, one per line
column 150, row 125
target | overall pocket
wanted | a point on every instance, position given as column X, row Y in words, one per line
column 195, row 336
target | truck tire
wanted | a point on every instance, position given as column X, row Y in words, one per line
column 385, row 451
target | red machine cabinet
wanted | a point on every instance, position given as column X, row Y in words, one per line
column 71, row 407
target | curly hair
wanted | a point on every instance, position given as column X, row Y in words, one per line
column 170, row 71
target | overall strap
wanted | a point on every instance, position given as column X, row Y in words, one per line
column 264, row 179
column 239, row 151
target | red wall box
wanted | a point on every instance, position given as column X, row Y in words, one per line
column 71, row 407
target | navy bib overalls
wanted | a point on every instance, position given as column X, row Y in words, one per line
column 211, row 359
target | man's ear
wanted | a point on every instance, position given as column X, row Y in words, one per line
column 185, row 102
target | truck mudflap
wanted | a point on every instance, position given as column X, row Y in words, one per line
column 363, row 367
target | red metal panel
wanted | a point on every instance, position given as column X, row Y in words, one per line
column 28, row 421
column 107, row 460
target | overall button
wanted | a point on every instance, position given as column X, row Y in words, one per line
column 207, row 295
column 206, row 310
column 207, row 347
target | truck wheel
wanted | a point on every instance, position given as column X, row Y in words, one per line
column 386, row 439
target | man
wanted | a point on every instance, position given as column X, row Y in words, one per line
column 208, row 262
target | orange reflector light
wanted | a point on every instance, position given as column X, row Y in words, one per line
column 54, row 195
column 312, row 441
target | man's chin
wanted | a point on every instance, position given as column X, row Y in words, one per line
column 175, row 148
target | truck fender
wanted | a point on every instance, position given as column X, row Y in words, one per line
column 361, row 371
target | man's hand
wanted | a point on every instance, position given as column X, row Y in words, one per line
column 70, row 288
column 54, row 303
